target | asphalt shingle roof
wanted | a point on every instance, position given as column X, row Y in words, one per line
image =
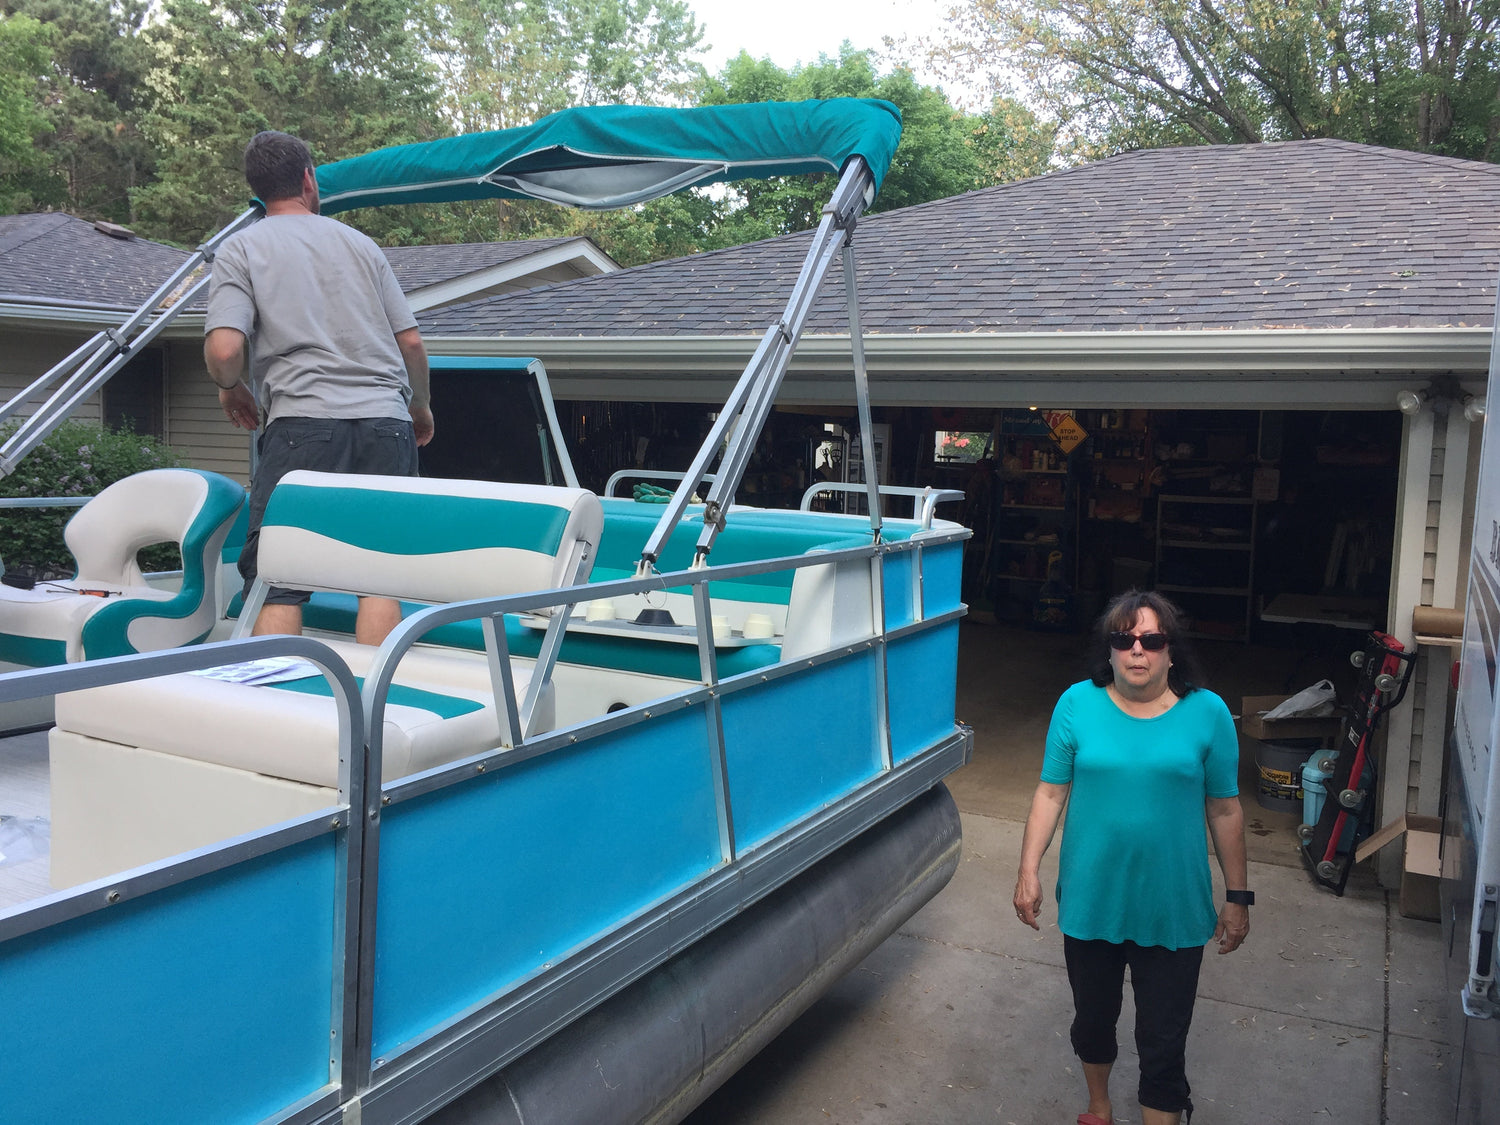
column 53, row 256
column 56, row 257
column 419, row 266
column 1316, row 234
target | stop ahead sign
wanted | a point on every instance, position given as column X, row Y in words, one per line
column 1068, row 434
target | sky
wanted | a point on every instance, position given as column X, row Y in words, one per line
column 793, row 31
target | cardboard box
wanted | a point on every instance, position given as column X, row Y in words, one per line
column 1420, row 868
column 1274, row 730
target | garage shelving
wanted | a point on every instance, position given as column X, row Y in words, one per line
column 1205, row 560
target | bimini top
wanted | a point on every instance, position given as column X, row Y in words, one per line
column 600, row 157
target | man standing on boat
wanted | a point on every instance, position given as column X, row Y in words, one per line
column 312, row 308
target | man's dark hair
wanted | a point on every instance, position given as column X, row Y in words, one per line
column 1119, row 615
column 274, row 163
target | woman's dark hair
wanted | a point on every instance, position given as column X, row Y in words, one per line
column 1119, row 616
column 274, row 163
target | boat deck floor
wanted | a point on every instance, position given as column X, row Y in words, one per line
column 24, row 816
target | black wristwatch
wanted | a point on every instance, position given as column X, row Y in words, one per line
column 1240, row 898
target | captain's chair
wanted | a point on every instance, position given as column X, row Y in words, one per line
column 56, row 623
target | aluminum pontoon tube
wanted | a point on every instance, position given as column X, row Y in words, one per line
column 655, row 1050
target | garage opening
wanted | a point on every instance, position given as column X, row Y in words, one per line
column 1259, row 524
column 1249, row 520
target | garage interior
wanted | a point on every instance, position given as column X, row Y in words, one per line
column 1250, row 520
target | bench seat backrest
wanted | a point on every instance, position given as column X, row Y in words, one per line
column 426, row 539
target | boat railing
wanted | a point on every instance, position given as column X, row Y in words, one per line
column 743, row 843
column 175, row 971
column 43, row 501
column 449, row 920
column 924, row 501
column 650, row 474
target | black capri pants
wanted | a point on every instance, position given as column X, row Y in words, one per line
column 1165, row 982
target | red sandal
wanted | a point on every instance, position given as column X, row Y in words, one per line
column 1092, row 1119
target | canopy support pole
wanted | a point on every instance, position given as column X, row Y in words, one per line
column 862, row 391
column 92, row 364
column 739, row 424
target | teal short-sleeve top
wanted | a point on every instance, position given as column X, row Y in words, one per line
column 1134, row 861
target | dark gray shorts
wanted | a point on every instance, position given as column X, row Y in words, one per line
column 383, row 446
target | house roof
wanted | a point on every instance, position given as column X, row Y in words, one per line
column 417, row 267
column 53, row 258
column 1305, row 234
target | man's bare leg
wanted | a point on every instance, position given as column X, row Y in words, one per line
column 1160, row 1117
column 377, row 617
column 278, row 619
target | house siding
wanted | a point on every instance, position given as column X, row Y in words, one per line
column 1434, row 507
column 197, row 427
column 29, row 355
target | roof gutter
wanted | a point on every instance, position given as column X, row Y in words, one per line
column 588, row 257
column 1354, row 368
column 41, row 314
column 1258, row 368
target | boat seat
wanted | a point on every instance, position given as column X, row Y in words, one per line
column 417, row 539
column 55, row 623
column 812, row 609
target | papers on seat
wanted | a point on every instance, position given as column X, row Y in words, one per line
column 270, row 670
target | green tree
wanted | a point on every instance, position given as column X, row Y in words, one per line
column 943, row 151
column 88, row 154
column 346, row 77
column 509, row 62
column 1140, row 73
column 23, row 63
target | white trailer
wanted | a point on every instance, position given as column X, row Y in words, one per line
column 1471, row 820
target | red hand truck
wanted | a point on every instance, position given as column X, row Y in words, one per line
column 1348, row 813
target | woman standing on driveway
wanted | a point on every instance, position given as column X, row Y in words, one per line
column 1139, row 755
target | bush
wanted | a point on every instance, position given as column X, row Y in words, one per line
column 76, row 459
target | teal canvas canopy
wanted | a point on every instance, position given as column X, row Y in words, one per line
column 601, row 157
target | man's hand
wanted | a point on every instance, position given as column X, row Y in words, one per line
column 422, row 424
column 239, row 406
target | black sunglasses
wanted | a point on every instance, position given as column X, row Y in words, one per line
column 1151, row 642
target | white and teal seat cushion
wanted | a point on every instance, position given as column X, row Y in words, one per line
column 53, row 624
column 440, row 709
column 419, row 539
column 424, row 539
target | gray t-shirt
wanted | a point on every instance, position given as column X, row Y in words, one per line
column 321, row 308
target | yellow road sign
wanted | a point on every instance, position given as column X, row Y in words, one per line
column 1068, row 434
